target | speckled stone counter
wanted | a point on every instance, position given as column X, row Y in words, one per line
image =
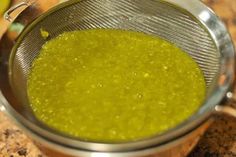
column 13, row 142
column 219, row 140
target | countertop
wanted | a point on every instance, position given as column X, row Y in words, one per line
column 218, row 141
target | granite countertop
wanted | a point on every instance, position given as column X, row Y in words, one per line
column 218, row 141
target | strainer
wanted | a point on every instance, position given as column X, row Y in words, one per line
column 186, row 23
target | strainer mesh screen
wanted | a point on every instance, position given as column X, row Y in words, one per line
column 149, row 16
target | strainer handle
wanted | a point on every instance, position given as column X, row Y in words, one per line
column 229, row 106
column 15, row 10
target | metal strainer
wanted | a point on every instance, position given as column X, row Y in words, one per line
column 152, row 17
column 186, row 23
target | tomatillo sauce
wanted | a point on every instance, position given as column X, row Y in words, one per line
column 113, row 86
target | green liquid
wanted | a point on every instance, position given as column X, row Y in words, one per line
column 113, row 85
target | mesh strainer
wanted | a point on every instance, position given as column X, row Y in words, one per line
column 186, row 23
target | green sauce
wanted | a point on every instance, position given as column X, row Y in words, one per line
column 113, row 85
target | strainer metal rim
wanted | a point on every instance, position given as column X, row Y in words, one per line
column 224, row 44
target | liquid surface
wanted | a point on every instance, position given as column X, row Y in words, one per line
column 113, row 85
column 3, row 6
